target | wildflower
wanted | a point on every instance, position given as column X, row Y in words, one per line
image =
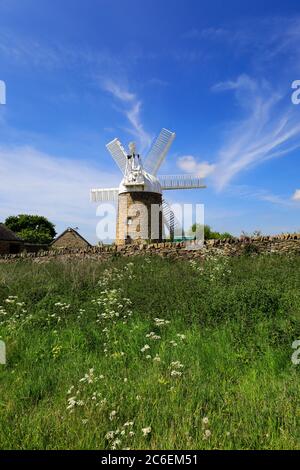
column 161, row 322
column 176, row 365
column 146, row 431
column 180, row 336
column 144, row 348
column 156, row 358
column 109, row 435
column 207, row 434
column 112, row 415
column 205, row 420
column 117, row 442
column 153, row 336
column 128, row 423
column 89, row 377
column 176, row 373
column 71, row 403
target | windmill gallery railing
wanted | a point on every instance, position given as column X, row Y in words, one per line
column 181, row 182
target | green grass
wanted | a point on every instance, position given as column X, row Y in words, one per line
column 238, row 318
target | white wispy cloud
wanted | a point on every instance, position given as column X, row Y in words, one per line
column 296, row 195
column 131, row 108
column 260, row 194
column 189, row 164
column 118, row 92
column 28, row 50
column 266, row 130
column 58, row 188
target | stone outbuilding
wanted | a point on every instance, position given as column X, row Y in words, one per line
column 10, row 243
column 70, row 238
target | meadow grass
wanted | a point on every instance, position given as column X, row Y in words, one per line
column 149, row 353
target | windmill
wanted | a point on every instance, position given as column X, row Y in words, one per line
column 142, row 211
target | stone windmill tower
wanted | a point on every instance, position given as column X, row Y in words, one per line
column 142, row 211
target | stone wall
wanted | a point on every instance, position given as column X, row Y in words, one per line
column 229, row 247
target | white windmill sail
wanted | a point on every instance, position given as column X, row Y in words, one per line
column 118, row 153
column 159, row 151
column 104, row 195
column 181, row 182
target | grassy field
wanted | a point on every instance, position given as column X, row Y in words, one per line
column 150, row 354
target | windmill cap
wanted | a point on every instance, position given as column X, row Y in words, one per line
column 151, row 185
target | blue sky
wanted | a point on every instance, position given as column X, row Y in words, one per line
column 79, row 73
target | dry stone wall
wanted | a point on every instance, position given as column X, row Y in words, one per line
column 230, row 247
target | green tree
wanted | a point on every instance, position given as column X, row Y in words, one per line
column 32, row 228
column 209, row 234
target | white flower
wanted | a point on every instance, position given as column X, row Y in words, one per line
column 176, row 365
column 156, row 358
column 146, row 431
column 176, row 373
column 207, row 433
column 112, row 415
column 109, row 435
column 180, row 336
column 144, row 348
column 205, row 420
column 128, row 423
column 153, row 336
column 161, row 322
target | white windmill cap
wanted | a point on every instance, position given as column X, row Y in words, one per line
column 150, row 185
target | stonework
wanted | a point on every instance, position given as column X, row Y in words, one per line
column 282, row 244
column 139, row 218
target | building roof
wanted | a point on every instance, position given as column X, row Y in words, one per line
column 8, row 235
column 69, row 229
